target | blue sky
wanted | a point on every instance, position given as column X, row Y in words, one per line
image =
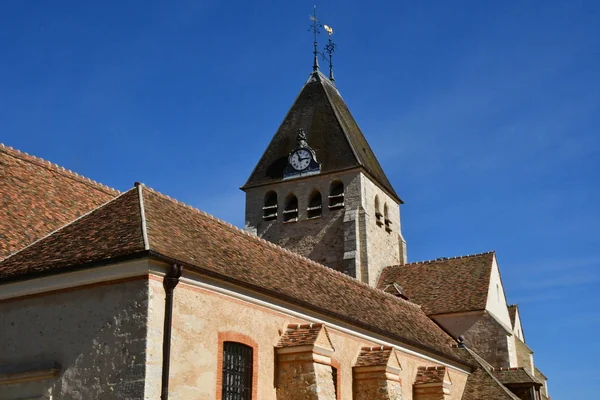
column 484, row 115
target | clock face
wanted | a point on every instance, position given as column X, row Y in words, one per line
column 300, row 159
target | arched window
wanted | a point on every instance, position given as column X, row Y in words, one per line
column 270, row 206
column 386, row 218
column 290, row 212
column 237, row 371
column 314, row 205
column 378, row 214
column 336, row 195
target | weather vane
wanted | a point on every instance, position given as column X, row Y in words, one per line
column 315, row 28
column 329, row 48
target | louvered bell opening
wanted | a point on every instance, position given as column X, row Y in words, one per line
column 290, row 213
column 270, row 207
column 314, row 209
column 336, row 195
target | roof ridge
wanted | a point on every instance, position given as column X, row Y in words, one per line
column 139, row 187
column 445, row 258
column 277, row 247
column 2, row 260
column 339, row 121
column 11, row 151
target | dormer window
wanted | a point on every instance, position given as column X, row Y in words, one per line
column 314, row 209
column 386, row 218
column 336, row 195
column 290, row 212
column 378, row 214
column 270, row 206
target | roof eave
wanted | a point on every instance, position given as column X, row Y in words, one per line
column 75, row 267
column 286, row 298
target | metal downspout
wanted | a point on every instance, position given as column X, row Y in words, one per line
column 171, row 280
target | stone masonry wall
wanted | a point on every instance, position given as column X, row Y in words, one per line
column 95, row 333
column 524, row 356
column 348, row 239
column 490, row 340
column 300, row 377
column 200, row 314
column 320, row 239
column 383, row 246
column 377, row 387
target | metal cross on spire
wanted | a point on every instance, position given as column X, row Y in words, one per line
column 329, row 49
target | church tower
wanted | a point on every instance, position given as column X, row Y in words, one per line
column 318, row 189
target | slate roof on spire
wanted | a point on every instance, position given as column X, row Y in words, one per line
column 332, row 132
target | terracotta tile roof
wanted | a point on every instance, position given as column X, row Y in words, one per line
column 374, row 356
column 482, row 384
column 445, row 285
column 430, row 375
column 110, row 231
column 301, row 335
column 39, row 197
column 515, row 375
column 331, row 131
column 180, row 233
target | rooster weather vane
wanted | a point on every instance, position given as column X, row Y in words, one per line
column 327, row 54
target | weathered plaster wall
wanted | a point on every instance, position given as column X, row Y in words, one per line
column 458, row 323
column 95, row 333
column 496, row 299
column 200, row 314
column 518, row 328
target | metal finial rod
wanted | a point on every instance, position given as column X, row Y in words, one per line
column 329, row 49
column 315, row 28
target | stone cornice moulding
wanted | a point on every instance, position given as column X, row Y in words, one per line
column 85, row 277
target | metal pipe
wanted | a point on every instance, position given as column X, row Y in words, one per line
column 171, row 280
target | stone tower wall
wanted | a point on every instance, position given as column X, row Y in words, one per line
column 384, row 245
column 321, row 239
column 347, row 239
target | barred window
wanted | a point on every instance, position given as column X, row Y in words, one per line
column 237, row 371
